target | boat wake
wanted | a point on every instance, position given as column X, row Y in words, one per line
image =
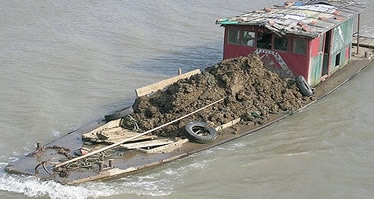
column 31, row 186
column 158, row 182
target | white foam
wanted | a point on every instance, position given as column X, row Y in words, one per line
column 2, row 165
column 231, row 146
column 56, row 133
column 158, row 183
column 30, row 186
column 154, row 184
column 170, row 172
column 145, row 185
column 13, row 159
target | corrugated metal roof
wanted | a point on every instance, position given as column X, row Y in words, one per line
column 307, row 18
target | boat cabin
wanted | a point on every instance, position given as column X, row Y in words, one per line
column 309, row 38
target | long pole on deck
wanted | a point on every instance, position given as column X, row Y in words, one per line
column 129, row 139
column 358, row 33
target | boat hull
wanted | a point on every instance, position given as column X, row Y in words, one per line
column 122, row 161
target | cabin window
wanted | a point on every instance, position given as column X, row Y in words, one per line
column 264, row 40
column 248, row 38
column 337, row 60
column 280, row 43
column 233, row 37
column 300, row 46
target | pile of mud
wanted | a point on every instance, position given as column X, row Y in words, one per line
column 250, row 92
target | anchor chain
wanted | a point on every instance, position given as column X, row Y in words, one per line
column 87, row 163
column 41, row 149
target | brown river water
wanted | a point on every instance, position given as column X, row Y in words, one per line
column 64, row 64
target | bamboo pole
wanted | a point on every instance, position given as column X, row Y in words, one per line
column 129, row 139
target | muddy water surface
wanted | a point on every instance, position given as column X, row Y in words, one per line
column 66, row 63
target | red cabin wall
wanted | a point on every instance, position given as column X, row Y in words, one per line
column 298, row 64
column 234, row 50
column 315, row 47
column 231, row 51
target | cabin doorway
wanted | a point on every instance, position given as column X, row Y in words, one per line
column 326, row 53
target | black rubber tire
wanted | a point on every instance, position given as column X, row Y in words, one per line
column 191, row 127
column 119, row 114
column 303, row 85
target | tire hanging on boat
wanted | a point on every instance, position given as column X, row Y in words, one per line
column 119, row 114
column 303, row 85
column 199, row 132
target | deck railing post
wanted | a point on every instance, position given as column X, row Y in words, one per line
column 358, row 33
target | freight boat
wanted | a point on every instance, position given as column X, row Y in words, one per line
column 277, row 61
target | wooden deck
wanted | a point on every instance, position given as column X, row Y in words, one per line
column 366, row 44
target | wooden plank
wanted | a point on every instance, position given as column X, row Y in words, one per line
column 228, row 124
column 165, row 148
column 164, row 83
column 132, row 138
column 113, row 124
column 110, row 125
column 112, row 135
column 145, row 144
column 141, row 138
